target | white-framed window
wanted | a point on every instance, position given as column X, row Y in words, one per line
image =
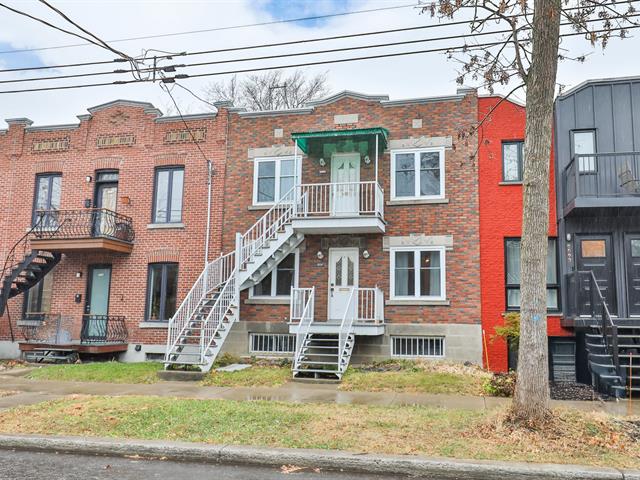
column 279, row 281
column 417, row 174
column 273, row 177
column 417, row 347
column 418, row 273
column 272, row 343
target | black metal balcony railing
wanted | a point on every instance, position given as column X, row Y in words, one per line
column 87, row 223
column 99, row 329
column 602, row 175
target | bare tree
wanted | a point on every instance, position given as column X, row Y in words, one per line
column 529, row 52
column 272, row 90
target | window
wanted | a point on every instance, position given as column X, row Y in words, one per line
column 37, row 300
column 414, row 347
column 162, row 286
column 272, row 343
column 167, row 198
column 273, row 179
column 417, row 174
column 418, row 273
column 279, row 281
column 512, row 256
column 512, row 161
column 47, row 197
column 584, row 143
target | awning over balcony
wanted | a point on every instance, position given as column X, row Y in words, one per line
column 359, row 138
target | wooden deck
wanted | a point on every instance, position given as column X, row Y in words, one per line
column 94, row 348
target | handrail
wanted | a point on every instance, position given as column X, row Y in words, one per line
column 306, row 317
column 214, row 274
column 607, row 326
column 347, row 324
column 9, row 261
column 266, row 228
column 226, row 299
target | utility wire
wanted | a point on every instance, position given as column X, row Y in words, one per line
column 217, row 29
column 278, row 44
column 271, row 57
column 465, row 47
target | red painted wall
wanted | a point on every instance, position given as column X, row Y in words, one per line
column 501, row 217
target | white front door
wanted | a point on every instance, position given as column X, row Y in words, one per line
column 345, row 190
column 343, row 277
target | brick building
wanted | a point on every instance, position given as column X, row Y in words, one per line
column 500, row 159
column 123, row 196
column 386, row 202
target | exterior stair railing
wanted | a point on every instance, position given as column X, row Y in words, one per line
column 302, row 311
column 214, row 274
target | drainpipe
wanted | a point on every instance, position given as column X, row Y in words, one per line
column 208, row 234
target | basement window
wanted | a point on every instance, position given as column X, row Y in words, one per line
column 417, row 347
column 272, row 343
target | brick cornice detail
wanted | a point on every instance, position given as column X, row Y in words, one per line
column 108, row 163
column 49, row 166
column 170, row 159
column 163, row 255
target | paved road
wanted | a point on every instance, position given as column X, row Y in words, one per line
column 18, row 465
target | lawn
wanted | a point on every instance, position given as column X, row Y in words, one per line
column 111, row 372
column 389, row 376
column 573, row 437
column 255, row 376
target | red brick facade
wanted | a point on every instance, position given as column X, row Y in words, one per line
column 457, row 216
column 150, row 146
column 501, row 218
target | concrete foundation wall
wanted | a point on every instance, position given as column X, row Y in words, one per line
column 9, row 350
column 463, row 343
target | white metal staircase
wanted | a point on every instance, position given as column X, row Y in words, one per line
column 326, row 354
column 201, row 324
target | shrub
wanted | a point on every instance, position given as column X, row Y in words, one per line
column 510, row 331
column 501, row 384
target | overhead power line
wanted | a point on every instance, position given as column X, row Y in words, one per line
column 216, row 29
column 465, row 47
column 276, row 56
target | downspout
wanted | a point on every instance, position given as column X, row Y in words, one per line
column 208, row 229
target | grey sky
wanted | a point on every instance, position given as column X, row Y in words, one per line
column 400, row 77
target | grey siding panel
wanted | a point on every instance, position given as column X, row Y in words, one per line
column 584, row 109
column 566, row 117
column 623, row 132
column 635, row 109
column 604, row 118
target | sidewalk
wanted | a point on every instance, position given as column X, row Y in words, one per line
column 35, row 391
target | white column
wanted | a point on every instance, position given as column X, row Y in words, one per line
column 295, row 174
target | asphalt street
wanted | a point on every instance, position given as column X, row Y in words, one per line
column 22, row 465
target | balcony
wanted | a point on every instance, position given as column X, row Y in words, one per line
column 54, row 332
column 602, row 180
column 91, row 229
column 339, row 208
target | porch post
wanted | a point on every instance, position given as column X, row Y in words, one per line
column 295, row 172
column 376, row 158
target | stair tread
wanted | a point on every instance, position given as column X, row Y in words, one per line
column 315, row 370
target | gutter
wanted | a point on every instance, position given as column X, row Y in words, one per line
column 331, row 460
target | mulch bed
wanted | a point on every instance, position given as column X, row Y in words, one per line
column 574, row 391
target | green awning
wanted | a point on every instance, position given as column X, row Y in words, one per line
column 304, row 138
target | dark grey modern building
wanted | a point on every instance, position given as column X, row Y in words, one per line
column 597, row 162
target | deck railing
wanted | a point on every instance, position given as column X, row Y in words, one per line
column 341, row 199
column 602, row 175
column 86, row 223
column 101, row 329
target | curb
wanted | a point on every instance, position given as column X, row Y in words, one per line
column 436, row 468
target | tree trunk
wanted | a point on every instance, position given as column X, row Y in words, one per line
column 531, row 399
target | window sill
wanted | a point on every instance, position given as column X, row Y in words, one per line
column 259, row 207
column 417, row 301
column 268, row 301
column 29, row 323
column 161, row 226
column 417, row 201
column 158, row 324
column 550, row 313
column 506, row 184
